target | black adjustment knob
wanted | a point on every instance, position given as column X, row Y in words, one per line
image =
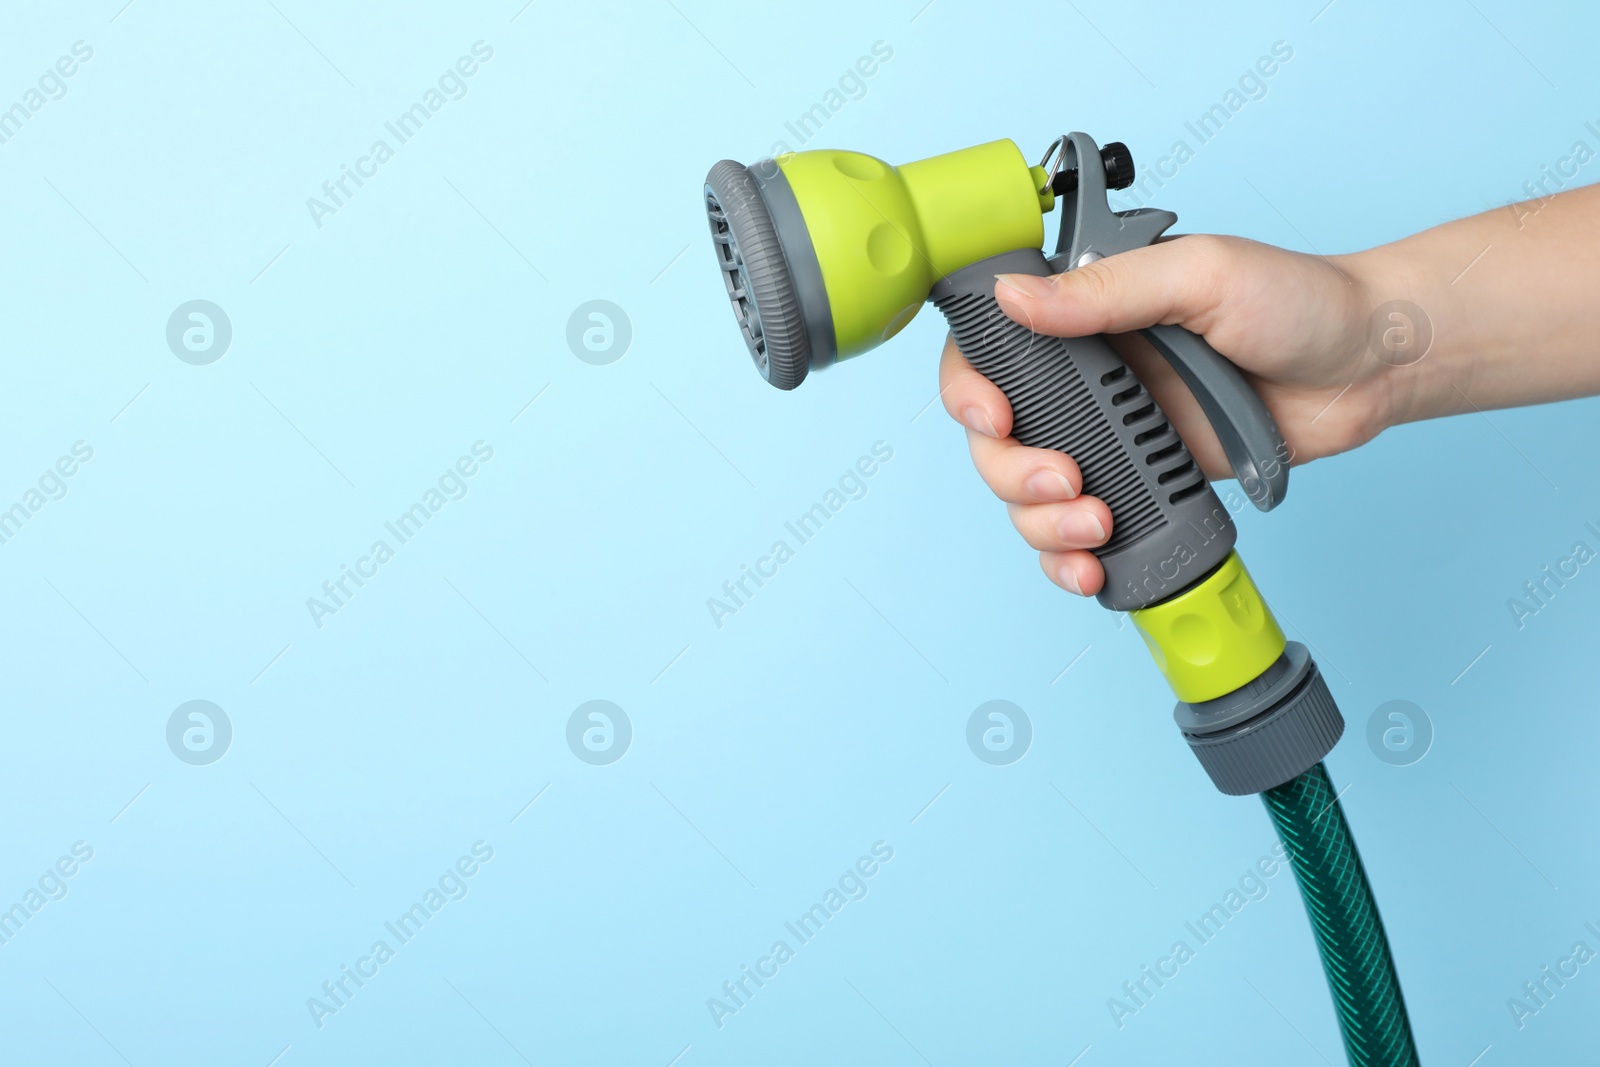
column 1116, row 159
column 1119, row 165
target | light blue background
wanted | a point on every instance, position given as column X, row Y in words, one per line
column 826, row 715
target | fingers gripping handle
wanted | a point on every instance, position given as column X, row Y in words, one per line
column 1255, row 448
column 1077, row 396
column 1090, row 230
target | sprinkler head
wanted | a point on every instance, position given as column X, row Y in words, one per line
column 827, row 254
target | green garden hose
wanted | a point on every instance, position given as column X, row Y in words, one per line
column 1355, row 950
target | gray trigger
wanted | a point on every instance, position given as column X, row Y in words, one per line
column 1090, row 230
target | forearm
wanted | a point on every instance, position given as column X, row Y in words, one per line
column 1513, row 299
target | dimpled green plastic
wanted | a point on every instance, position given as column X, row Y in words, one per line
column 1213, row 637
column 1355, row 950
column 883, row 235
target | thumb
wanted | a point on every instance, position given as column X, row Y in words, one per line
column 1174, row 281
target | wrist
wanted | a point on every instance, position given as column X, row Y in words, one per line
column 1407, row 368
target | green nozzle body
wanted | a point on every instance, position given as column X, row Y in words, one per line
column 883, row 235
column 1213, row 637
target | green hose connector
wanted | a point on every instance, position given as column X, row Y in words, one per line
column 1355, row 950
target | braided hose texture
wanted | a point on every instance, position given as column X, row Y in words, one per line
column 1344, row 916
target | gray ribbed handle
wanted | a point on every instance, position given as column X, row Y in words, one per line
column 1169, row 530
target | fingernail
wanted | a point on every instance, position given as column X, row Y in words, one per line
column 1080, row 527
column 1049, row 485
column 1069, row 578
column 1027, row 285
column 975, row 418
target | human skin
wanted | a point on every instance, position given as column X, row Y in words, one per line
column 1512, row 296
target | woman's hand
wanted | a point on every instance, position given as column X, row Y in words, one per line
column 1501, row 306
column 1296, row 324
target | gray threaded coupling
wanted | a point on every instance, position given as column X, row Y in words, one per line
column 1267, row 732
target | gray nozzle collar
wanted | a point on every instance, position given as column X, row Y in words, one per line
column 804, row 270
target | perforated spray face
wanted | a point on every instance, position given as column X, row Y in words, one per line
column 737, row 278
column 757, row 276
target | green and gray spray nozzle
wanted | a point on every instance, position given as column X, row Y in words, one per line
column 826, row 254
